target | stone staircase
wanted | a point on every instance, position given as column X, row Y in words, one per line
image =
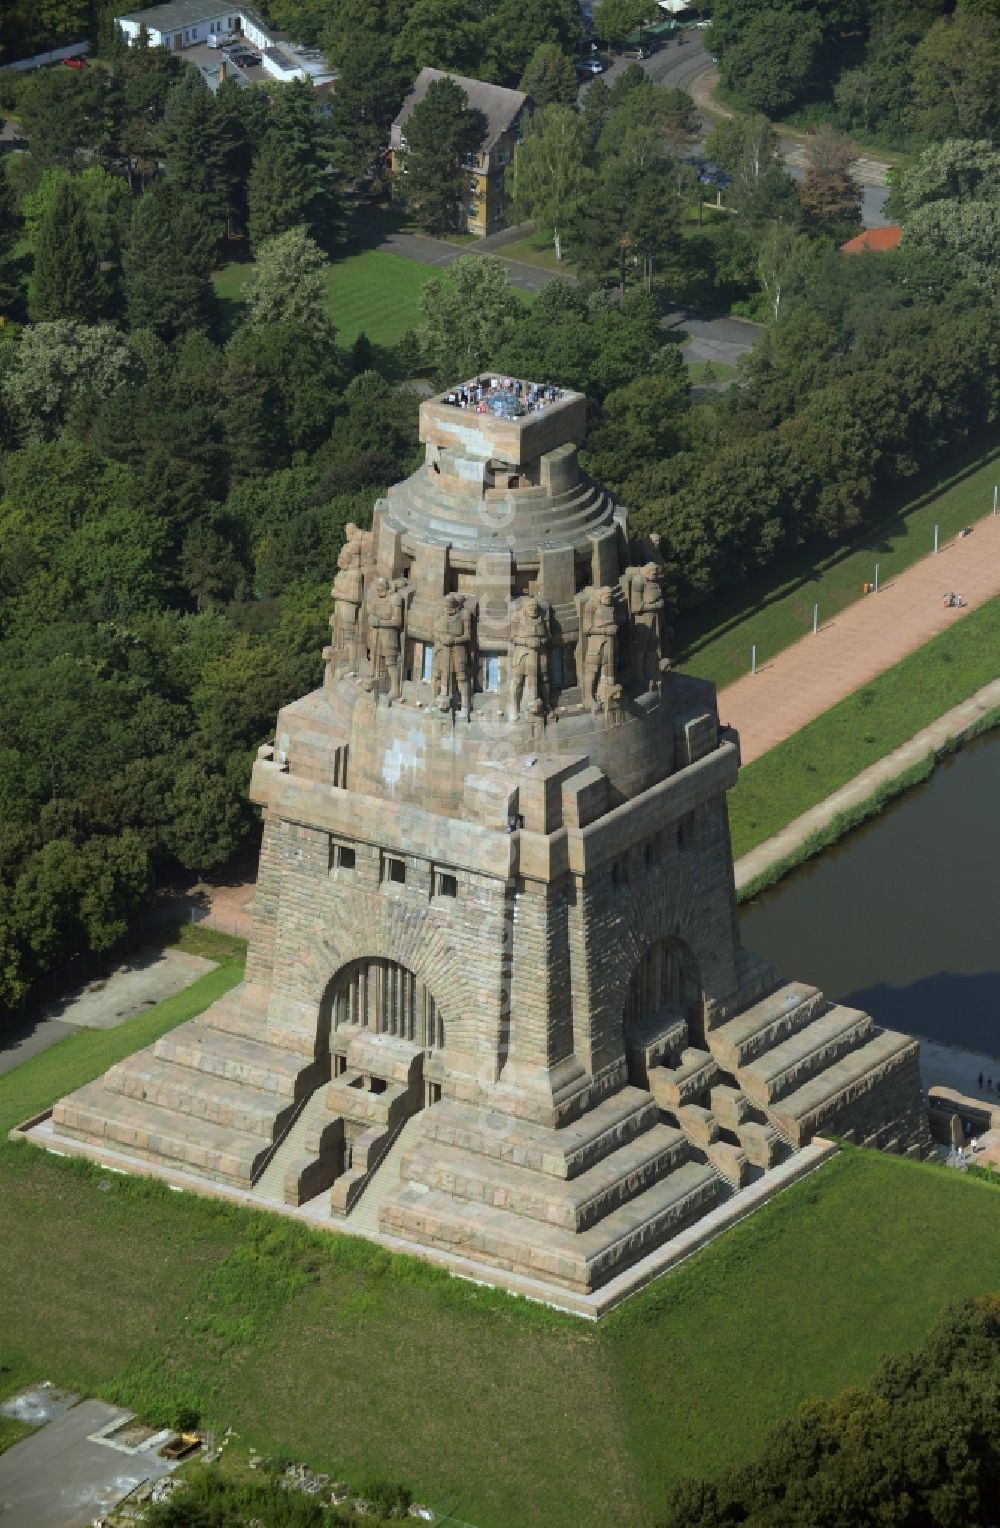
column 270, row 1185
column 365, row 1214
column 573, row 1204
column 210, row 1097
column 802, row 1061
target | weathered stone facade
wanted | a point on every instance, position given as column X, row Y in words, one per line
column 495, row 926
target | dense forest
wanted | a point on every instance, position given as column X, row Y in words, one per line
column 902, row 72
column 176, row 471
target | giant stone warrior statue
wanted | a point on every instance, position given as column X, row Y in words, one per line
column 385, row 622
column 647, row 608
column 529, row 657
column 348, row 593
column 452, row 654
column 601, row 647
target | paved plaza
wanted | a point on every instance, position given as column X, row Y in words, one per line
column 868, row 637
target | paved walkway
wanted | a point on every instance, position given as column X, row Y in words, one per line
column 861, row 642
column 955, row 723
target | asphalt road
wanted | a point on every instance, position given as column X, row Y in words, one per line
column 678, row 64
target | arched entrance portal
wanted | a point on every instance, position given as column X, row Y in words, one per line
column 666, row 986
column 382, row 995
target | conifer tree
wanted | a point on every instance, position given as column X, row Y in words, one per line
column 290, row 183
column 441, row 133
column 66, row 281
column 167, row 263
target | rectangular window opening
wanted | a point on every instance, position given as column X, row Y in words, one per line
column 395, row 871
column 447, row 885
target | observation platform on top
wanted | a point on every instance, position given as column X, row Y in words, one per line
column 503, row 419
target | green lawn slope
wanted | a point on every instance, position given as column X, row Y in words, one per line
column 503, row 1413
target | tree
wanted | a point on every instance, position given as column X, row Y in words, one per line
column 290, row 184
column 549, row 77
column 60, row 112
column 774, row 65
column 551, row 178
column 782, row 265
column 65, row 281
column 207, row 819
column 632, row 213
column 469, row 312
column 288, row 284
column 958, row 170
column 9, row 228
column 640, row 422
column 58, row 361
column 167, row 263
column 967, row 234
column 369, row 92
column 191, row 140
column 519, row 27
column 829, row 192
column 442, row 34
column 955, row 86
column 746, row 147
column 442, row 132
column 615, row 19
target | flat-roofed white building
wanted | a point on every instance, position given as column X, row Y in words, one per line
column 181, row 24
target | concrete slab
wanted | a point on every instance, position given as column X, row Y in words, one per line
column 61, row 1478
column 140, row 982
column 945, row 1066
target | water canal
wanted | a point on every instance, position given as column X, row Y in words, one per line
column 902, row 918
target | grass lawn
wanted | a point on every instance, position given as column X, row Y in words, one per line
column 537, row 249
column 776, row 608
column 718, row 371
column 503, row 1413
column 374, row 293
column 864, row 727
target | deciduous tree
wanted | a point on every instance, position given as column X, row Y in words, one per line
column 288, row 284
column 469, row 312
column 829, row 192
column 551, row 178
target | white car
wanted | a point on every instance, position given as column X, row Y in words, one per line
column 700, row 26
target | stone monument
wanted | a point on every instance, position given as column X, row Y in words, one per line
column 496, row 1007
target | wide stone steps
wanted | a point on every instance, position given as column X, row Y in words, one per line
column 766, row 1024
column 811, row 1107
column 789, row 1065
column 270, row 1186
column 95, row 1114
column 233, row 1105
column 365, row 1214
column 574, row 1203
column 579, row 1261
column 203, row 1048
column 560, row 1153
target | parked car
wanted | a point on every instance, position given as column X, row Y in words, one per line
column 246, row 60
column 589, row 66
column 75, row 63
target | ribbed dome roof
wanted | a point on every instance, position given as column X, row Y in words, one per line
column 527, row 520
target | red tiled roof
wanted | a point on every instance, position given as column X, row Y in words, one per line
column 873, row 238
